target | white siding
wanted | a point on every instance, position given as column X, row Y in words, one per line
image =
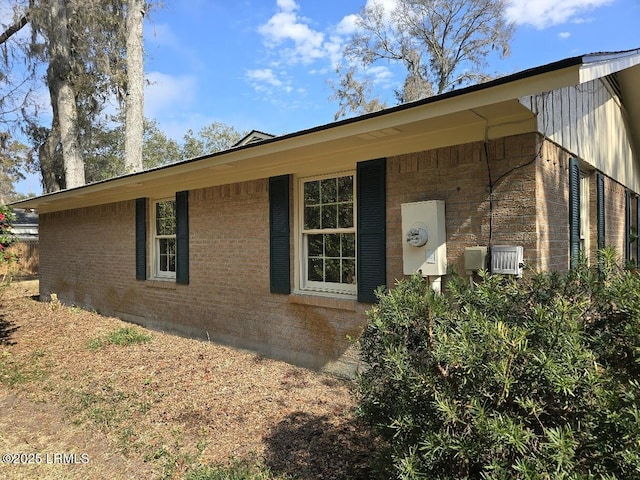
column 587, row 120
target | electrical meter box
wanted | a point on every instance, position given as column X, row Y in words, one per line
column 424, row 238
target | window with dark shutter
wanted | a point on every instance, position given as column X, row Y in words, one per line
column 279, row 263
column 637, row 230
column 574, row 212
column 141, row 239
column 371, row 228
column 600, row 210
column 182, row 237
column 627, row 226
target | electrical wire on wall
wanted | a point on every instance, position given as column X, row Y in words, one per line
column 493, row 183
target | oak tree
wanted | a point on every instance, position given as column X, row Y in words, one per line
column 439, row 45
column 82, row 45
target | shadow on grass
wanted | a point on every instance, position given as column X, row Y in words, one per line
column 6, row 330
column 312, row 447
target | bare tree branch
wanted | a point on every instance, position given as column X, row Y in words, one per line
column 15, row 28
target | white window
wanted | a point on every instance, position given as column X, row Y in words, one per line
column 328, row 234
column 584, row 214
column 164, row 239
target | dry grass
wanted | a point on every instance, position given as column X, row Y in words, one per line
column 159, row 408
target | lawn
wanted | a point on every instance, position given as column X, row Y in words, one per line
column 134, row 403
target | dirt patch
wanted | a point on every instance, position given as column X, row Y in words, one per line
column 164, row 406
column 53, row 448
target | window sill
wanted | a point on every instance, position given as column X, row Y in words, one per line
column 166, row 283
column 323, row 301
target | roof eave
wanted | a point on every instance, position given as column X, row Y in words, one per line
column 599, row 65
column 529, row 82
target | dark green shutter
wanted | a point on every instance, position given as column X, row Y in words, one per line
column 141, row 239
column 182, row 238
column 600, row 207
column 627, row 226
column 279, row 239
column 574, row 212
column 371, row 228
column 637, row 230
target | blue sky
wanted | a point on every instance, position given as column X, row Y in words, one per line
column 267, row 64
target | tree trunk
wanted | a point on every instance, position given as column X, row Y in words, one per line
column 63, row 95
column 134, row 121
column 49, row 164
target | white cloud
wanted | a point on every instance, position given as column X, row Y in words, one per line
column 347, row 25
column 545, row 13
column 264, row 76
column 287, row 5
column 294, row 40
column 266, row 81
column 381, row 75
column 292, row 36
column 581, row 20
column 287, row 27
column 564, row 35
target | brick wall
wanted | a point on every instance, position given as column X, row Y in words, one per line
column 88, row 258
column 88, row 254
column 614, row 208
column 553, row 211
column 460, row 175
column 552, row 208
column 530, row 200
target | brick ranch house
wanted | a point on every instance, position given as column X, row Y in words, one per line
column 277, row 245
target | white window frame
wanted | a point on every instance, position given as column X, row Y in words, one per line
column 303, row 284
column 155, row 244
column 585, row 208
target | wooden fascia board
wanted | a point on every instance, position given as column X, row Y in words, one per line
column 600, row 66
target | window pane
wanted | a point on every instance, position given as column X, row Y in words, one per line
column 332, row 270
column 167, row 254
column 348, row 245
column 349, row 271
column 329, row 190
column 332, row 246
column 345, row 189
column 166, row 217
column 311, row 218
column 345, row 215
column 329, row 216
column 312, row 193
column 315, row 272
column 315, row 246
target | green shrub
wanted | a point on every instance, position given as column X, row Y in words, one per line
column 514, row 379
